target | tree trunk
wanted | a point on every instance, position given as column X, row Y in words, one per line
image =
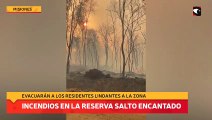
column 68, row 62
column 122, row 50
column 122, row 15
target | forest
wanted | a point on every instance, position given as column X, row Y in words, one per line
column 117, row 44
column 105, row 43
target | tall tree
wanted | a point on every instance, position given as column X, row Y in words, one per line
column 130, row 13
column 93, row 46
column 112, row 6
column 85, row 8
column 121, row 12
column 105, row 32
column 71, row 27
column 134, row 25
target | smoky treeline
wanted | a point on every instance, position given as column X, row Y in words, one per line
column 117, row 44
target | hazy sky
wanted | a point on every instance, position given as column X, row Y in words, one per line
column 100, row 14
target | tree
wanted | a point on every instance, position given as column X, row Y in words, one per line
column 84, row 9
column 134, row 24
column 105, row 32
column 113, row 19
column 121, row 12
column 71, row 27
column 131, row 14
column 93, row 46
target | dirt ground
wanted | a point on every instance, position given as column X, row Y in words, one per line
column 77, row 82
column 111, row 84
column 106, row 117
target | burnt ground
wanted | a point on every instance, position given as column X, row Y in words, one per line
column 105, row 81
column 102, row 82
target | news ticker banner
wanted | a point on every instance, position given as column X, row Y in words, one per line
column 97, row 102
column 23, row 9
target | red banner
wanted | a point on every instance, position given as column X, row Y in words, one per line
column 96, row 106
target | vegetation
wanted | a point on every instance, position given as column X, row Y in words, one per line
column 117, row 45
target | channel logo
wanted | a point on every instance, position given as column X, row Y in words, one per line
column 197, row 11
